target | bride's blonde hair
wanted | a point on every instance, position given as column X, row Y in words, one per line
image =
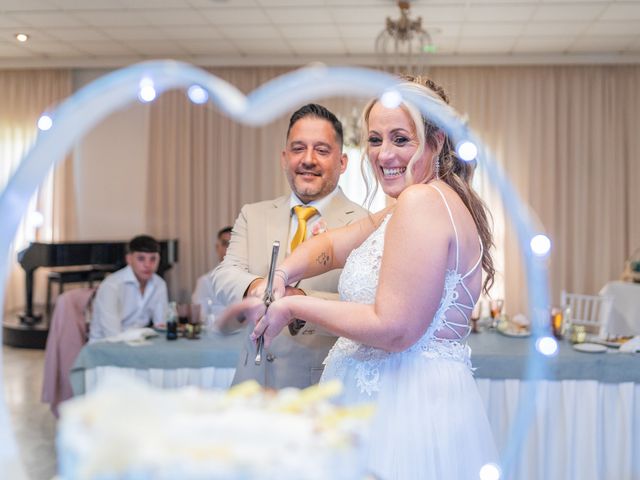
column 455, row 172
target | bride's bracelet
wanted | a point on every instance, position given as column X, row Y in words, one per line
column 282, row 275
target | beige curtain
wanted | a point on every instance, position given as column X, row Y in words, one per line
column 566, row 136
column 24, row 95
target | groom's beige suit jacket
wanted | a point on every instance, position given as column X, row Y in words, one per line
column 291, row 361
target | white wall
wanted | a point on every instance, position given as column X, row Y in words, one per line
column 111, row 172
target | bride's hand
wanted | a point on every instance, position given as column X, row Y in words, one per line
column 274, row 320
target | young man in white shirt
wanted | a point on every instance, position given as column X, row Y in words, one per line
column 132, row 297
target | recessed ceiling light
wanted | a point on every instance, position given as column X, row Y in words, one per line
column 22, row 37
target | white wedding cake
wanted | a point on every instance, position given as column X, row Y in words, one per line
column 127, row 430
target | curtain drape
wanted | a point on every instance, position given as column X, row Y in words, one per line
column 24, row 96
column 565, row 135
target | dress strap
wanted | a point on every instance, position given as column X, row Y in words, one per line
column 472, row 269
column 455, row 230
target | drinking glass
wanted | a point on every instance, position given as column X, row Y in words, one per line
column 496, row 307
column 183, row 313
column 475, row 316
column 208, row 317
column 495, row 311
column 194, row 319
column 557, row 320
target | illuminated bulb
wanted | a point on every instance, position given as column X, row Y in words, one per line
column 467, row 151
column 147, row 93
column 490, row 471
column 197, row 94
column 22, row 37
column 540, row 245
column 391, row 99
column 36, row 219
column 547, row 346
column 45, row 122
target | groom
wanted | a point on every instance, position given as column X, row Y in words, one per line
column 313, row 162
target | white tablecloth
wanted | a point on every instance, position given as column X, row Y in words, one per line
column 210, row 377
column 625, row 314
column 580, row 429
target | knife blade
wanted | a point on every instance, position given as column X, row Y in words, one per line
column 268, row 297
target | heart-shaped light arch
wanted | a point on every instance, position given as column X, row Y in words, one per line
column 87, row 107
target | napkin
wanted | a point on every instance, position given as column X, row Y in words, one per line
column 132, row 336
column 631, row 346
column 521, row 321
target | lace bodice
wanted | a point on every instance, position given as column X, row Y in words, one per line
column 359, row 282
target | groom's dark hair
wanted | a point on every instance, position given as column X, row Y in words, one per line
column 317, row 111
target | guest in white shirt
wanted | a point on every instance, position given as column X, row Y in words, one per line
column 203, row 293
column 132, row 297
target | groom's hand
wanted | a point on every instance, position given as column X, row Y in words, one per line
column 256, row 288
column 296, row 325
column 293, row 291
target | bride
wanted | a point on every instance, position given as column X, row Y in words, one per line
column 411, row 276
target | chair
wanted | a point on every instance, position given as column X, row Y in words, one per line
column 67, row 335
column 83, row 274
column 591, row 311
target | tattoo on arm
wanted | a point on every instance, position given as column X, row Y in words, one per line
column 323, row 259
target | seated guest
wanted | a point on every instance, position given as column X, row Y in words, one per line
column 133, row 296
column 203, row 293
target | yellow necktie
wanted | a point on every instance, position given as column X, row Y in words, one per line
column 303, row 214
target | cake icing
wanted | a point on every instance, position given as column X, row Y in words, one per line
column 128, row 430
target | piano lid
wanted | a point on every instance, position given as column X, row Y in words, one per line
column 63, row 254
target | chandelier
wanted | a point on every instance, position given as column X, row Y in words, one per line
column 403, row 43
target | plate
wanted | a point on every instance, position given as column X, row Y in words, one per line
column 590, row 347
column 508, row 332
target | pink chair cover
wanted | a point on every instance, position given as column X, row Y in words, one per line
column 67, row 336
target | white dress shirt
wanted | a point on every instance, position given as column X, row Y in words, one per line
column 204, row 296
column 119, row 304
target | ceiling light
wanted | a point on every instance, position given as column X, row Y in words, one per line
column 403, row 43
column 22, row 37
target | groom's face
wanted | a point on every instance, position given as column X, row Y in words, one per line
column 313, row 159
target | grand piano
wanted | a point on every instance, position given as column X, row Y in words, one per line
column 30, row 329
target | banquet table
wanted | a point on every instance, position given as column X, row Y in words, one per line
column 625, row 314
column 585, row 422
column 208, row 362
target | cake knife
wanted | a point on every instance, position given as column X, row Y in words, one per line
column 268, row 297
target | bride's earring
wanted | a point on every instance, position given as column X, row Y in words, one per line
column 436, row 167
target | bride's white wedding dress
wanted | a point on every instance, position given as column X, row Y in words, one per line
column 430, row 422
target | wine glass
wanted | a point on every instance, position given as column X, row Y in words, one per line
column 557, row 319
column 183, row 316
column 495, row 311
column 475, row 316
column 194, row 319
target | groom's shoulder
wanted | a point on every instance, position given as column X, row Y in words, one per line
column 264, row 205
column 349, row 207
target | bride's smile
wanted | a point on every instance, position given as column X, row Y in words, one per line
column 394, row 149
